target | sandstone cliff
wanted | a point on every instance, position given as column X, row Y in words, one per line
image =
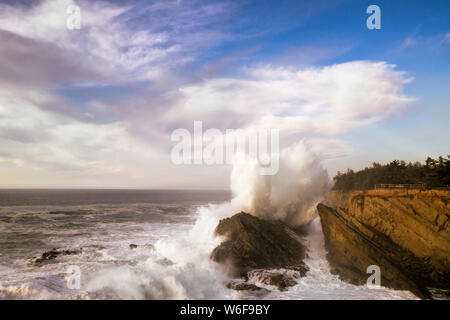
column 405, row 232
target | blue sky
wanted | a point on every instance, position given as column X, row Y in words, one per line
column 95, row 107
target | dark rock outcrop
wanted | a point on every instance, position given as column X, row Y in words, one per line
column 243, row 286
column 277, row 278
column 405, row 233
column 51, row 255
column 252, row 244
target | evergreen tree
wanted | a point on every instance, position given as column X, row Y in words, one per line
column 433, row 173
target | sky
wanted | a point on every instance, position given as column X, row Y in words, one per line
column 95, row 107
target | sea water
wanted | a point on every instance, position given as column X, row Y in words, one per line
column 172, row 231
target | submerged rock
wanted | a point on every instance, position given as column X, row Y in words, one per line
column 404, row 232
column 53, row 254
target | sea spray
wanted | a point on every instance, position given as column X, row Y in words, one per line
column 291, row 195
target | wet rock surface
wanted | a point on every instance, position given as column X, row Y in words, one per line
column 253, row 243
column 243, row 286
column 252, row 246
column 282, row 279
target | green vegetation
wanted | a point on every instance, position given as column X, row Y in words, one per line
column 433, row 173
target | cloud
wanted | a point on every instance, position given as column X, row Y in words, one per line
column 306, row 102
column 46, row 133
column 317, row 104
column 408, row 43
column 436, row 43
column 110, row 43
column 446, row 39
column 52, row 138
column 26, row 62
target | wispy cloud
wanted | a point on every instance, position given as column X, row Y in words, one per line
column 436, row 42
column 409, row 42
column 120, row 43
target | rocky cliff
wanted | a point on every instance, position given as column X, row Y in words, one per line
column 405, row 232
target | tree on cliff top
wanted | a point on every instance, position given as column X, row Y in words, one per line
column 433, row 173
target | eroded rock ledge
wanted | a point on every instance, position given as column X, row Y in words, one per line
column 254, row 248
column 406, row 233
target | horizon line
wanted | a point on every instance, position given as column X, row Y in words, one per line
column 110, row 188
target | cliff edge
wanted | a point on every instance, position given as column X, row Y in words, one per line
column 404, row 232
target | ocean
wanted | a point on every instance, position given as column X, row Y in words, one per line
column 137, row 244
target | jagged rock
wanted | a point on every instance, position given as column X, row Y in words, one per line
column 241, row 286
column 253, row 243
column 279, row 278
column 406, row 233
column 51, row 255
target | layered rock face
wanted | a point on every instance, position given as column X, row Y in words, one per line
column 253, row 245
column 404, row 232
